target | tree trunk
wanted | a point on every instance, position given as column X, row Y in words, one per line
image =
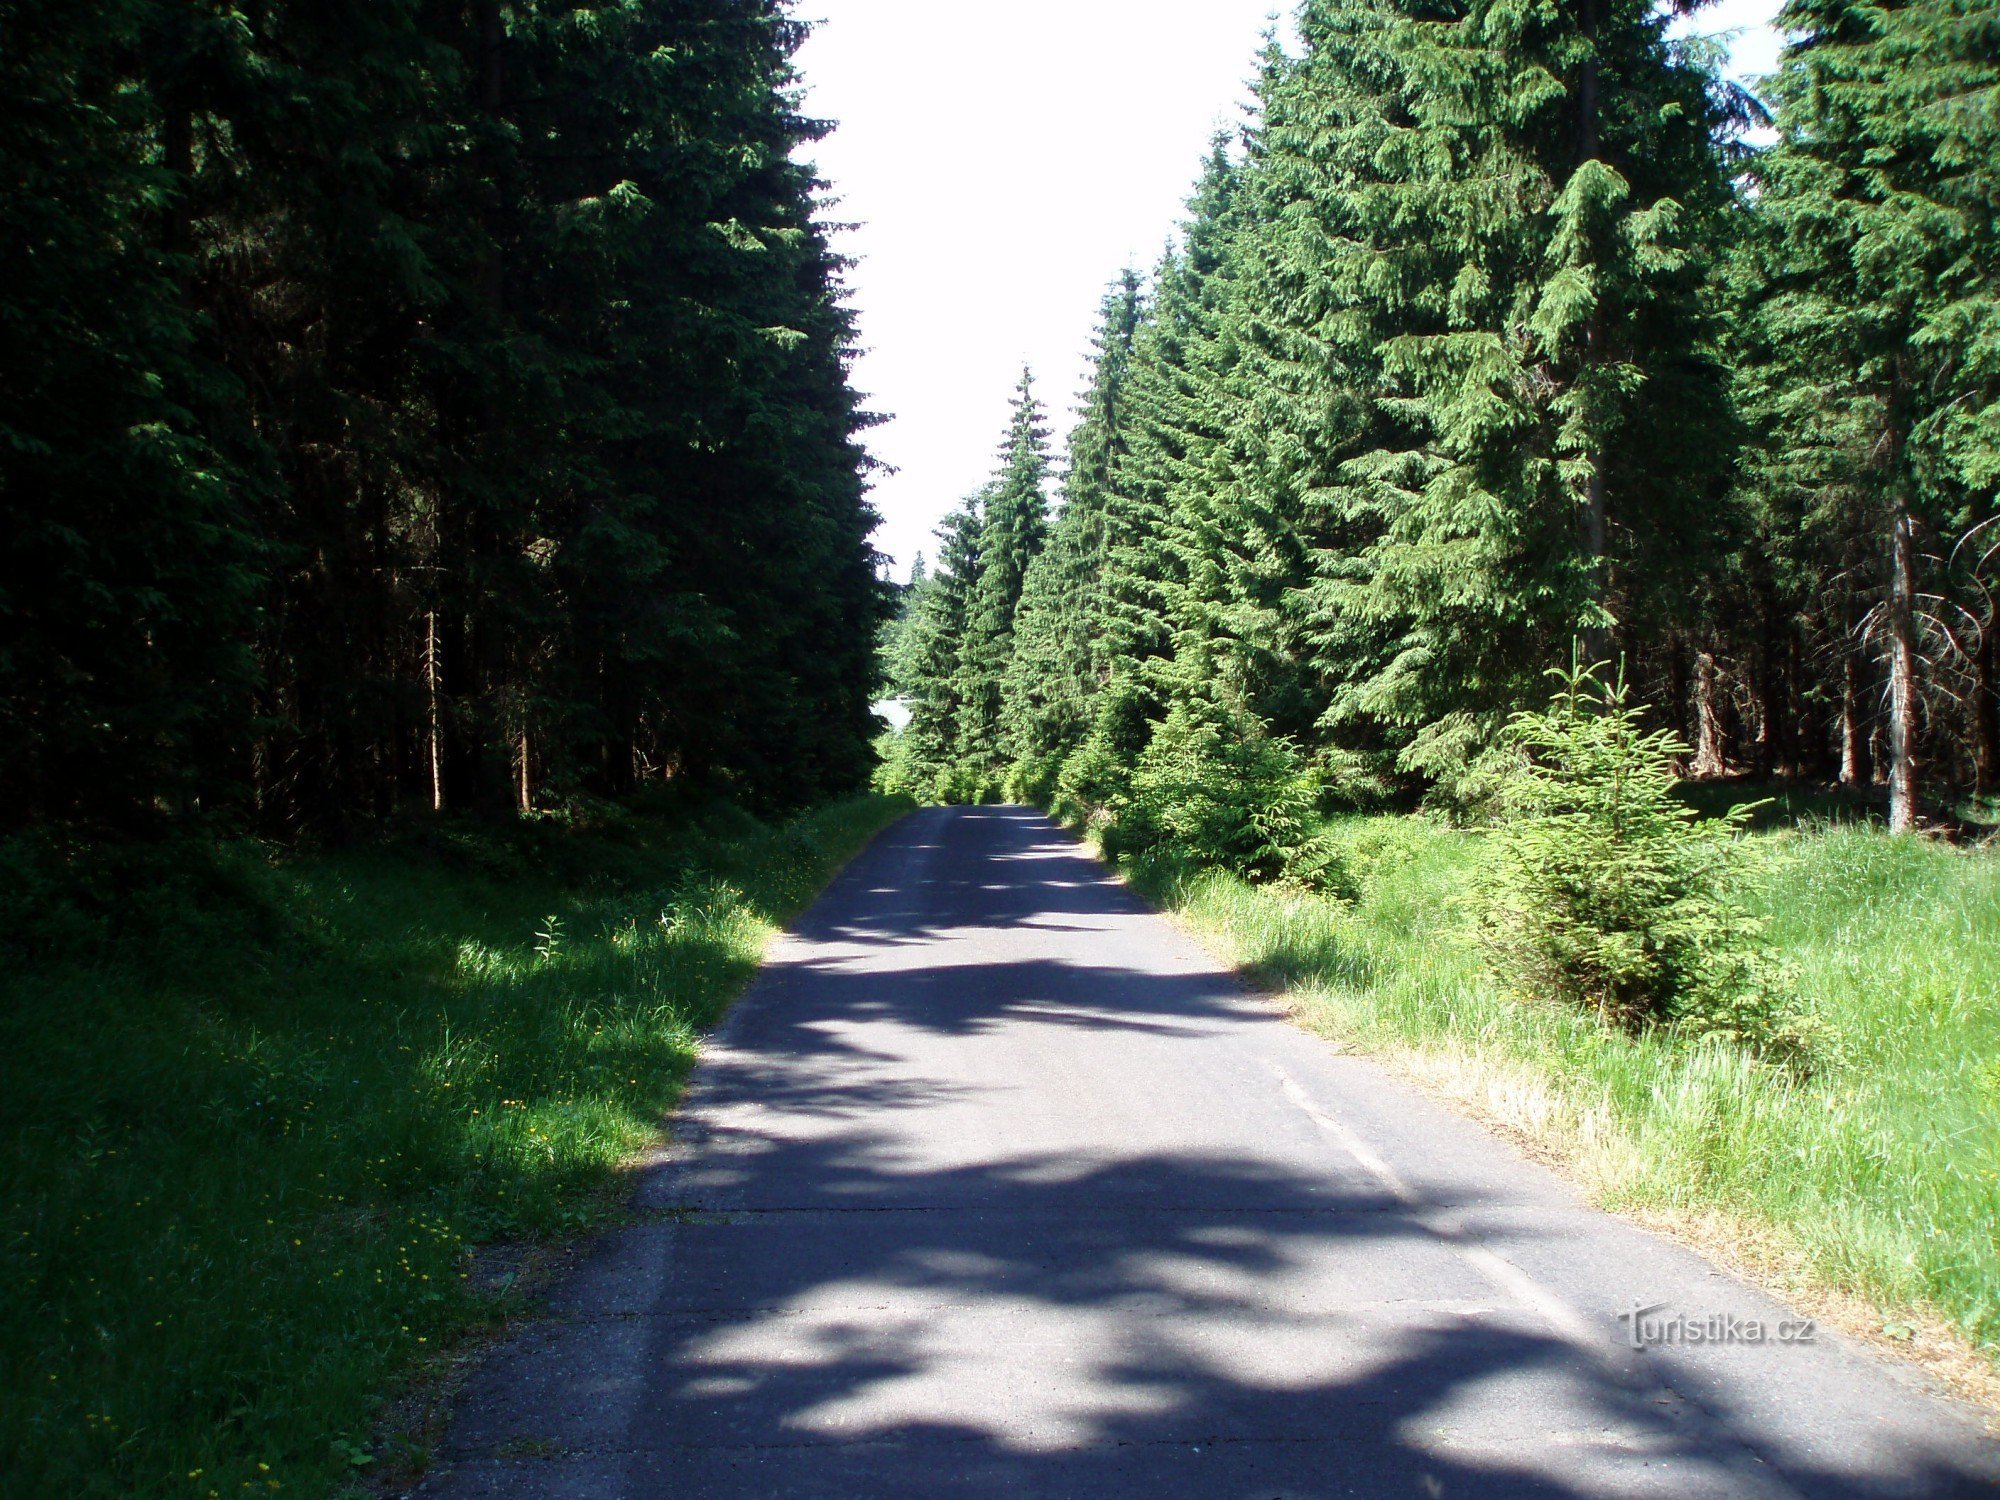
column 1902, row 671
column 1857, row 768
column 1986, row 704
column 1679, row 689
column 1774, row 709
column 435, row 713
column 1708, row 760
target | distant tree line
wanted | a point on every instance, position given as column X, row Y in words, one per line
column 1491, row 342
column 419, row 404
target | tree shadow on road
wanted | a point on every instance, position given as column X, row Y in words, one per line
column 820, row 1319
column 851, row 1282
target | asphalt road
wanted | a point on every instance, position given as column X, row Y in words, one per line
column 996, row 1184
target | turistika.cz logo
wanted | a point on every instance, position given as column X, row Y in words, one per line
column 1650, row 1323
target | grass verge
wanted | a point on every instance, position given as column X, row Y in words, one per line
column 255, row 1114
column 1870, row 1190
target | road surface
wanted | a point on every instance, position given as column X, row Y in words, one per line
column 996, row 1184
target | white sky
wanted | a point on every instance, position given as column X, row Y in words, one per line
column 1002, row 163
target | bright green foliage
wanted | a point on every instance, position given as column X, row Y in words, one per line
column 1161, row 428
column 1436, row 388
column 256, row 1120
column 1173, row 421
column 898, row 773
column 1058, row 659
column 1263, row 401
column 1875, row 1172
column 961, row 633
column 1497, row 217
column 1014, row 518
column 1607, row 892
column 931, row 675
column 1877, row 303
column 1384, row 455
column 1210, row 790
column 1097, row 775
column 1892, row 116
column 898, row 638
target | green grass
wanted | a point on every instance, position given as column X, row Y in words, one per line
column 1877, row 1176
column 254, row 1114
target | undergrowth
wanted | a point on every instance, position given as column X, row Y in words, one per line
column 1604, row 890
column 255, row 1113
column 1878, row 1173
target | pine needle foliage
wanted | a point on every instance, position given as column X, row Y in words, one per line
column 1489, row 333
column 1014, row 523
column 1057, row 665
column 1607, row 892
column 411, row 406
column 1212, row 791
column 1876, row 310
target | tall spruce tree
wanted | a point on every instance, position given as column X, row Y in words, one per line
column 1437, row 388
column 1318, row 298
column 1517, row 192
column 1057, row 664
column 898, row 668
column 1014, row 524
column 1248, row 508
column 1154, row 551
column 931, row 673
column 1881, row 286
column 434, row 404
column 126, row 581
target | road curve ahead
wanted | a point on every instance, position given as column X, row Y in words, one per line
column 996, row 1184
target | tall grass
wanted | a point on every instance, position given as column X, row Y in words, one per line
column 254, row 1116
column 1878, row 1174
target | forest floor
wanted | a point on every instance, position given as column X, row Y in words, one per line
column 1867, row 1191
column 279, row 1134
